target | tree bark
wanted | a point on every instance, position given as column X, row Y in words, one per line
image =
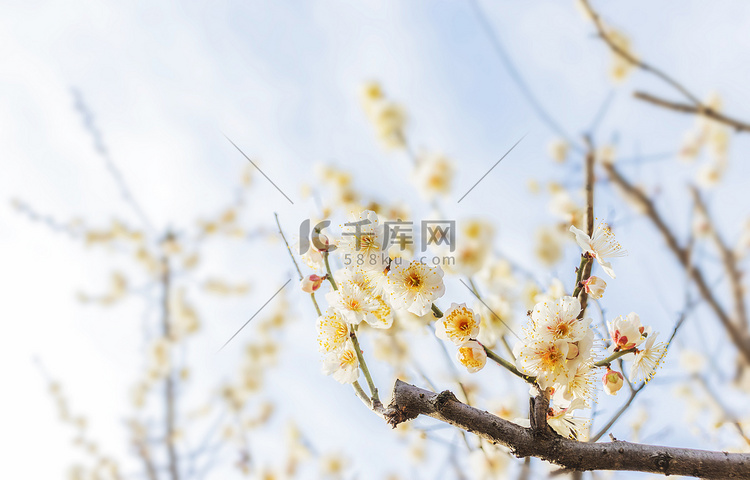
column 410, row 401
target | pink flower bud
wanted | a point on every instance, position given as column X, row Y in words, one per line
column 594, row 287
column 311, row 283
column 612, row 381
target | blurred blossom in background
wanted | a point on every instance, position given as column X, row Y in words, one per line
column 137, row 240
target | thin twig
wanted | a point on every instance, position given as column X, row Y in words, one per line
column 629, row 57
column 517, row 78
column 296, row 266
column 589, row 181
column 727, row 415
column 728, row 259
column 696, row 107
column 101, row 149
column 702, row 110
column 169, row 387
column 739, row 338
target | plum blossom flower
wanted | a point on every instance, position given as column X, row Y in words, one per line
column 564, row 423
column 612, row 381
column 580, row 385
column 458, row 325
column 333, row 331
column 601, row 245
column 647, row 359
column 415, row 287
column 488, row 463
column 544, row 360
column 627, row 332
column 383, row 315
column 354, row 303
column 557, row 348
column 472, row 356
column 433, row 175
column 343, row 364
column 558, row 319
column 362, row 241
column 594, row 287
column 313, row 258
column 311, row 283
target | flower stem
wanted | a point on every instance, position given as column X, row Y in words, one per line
column 585, row 259
column 328, row 270
column 363, row 366
column 438, row 313
column 291, row 255
column 509, row 366
column 361, row 393
column 614, row 356
column 315, row 302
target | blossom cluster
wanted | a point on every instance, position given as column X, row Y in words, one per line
column 557, row 350
column 370, row 291
column 560, row 352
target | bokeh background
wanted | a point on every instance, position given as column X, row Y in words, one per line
column 152, row 89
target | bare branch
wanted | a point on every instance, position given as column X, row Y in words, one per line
column 695, row 107
column 589, row 218
column 629, row 57
column 728, row 259
column 169, row 387
column 738, row 337
column 701, row 109
column 410, row 401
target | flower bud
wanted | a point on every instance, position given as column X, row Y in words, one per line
column 594, row 287
column 612, row 381
column 311, row 283
column 472, row 356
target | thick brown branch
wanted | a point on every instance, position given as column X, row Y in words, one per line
column 738, row 337
column 700, row 109
column 410, row 401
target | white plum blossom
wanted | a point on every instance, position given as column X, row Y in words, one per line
column 354, row 303
column 627, row 332
column 579, row 386
column 333, row 331
column 488, row 463
column 594, row 287
column 459, row 324
column 558, row 319
column 313, row 258
column 361, row 242
column 647, row 359
column 556, row 347
column 472, row 356
column 601, row 245
column 564, row 423
column 343, row 364
column 544, row 360
column 414, row 287
column 433, row 175
column 383, row 315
